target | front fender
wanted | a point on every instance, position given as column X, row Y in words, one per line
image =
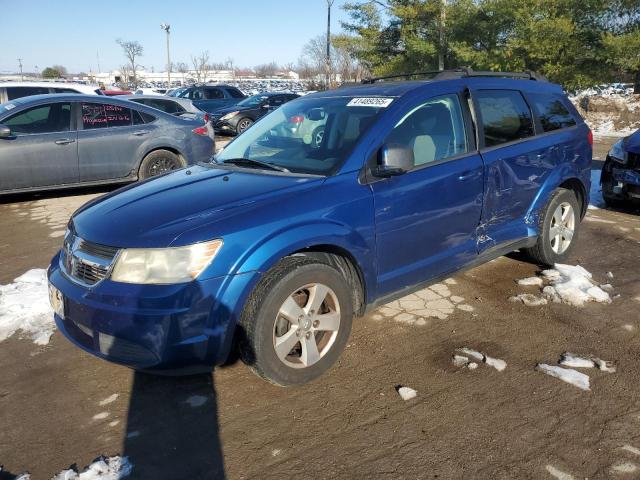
column 270, row 250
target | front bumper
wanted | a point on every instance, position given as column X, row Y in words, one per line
column 224, row 126
column 625, row 182
column 185, row 328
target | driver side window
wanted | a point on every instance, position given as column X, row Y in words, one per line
column 434, row 130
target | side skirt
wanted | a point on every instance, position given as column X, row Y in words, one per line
column 486, row 256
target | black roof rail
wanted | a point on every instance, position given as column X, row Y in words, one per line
column 460, row 73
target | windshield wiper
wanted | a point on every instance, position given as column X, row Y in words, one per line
column 248, row 162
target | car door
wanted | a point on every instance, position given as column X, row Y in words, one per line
column 516, row 165
column 109, row 141
column 426, row 219
column 42, row 150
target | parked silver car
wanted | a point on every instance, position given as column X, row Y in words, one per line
column 64, row 140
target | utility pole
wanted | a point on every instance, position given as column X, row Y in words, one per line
column 442, row 46
column 328, row 59
column 166, row 27
column 20, row 65
column 98, row 58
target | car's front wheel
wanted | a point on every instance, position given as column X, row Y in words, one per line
column 559, row 226
column 243, row 124
column 297, row 321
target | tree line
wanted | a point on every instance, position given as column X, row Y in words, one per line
column 577, row 43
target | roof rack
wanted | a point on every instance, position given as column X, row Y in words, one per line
column 460, row 73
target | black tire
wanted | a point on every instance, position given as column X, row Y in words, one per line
column 542, row 252
column 261, row 319
column 243, row 124
column 159, row 162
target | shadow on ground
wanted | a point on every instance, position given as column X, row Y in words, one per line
column 172, row 428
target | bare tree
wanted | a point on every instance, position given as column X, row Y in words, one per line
column 132, row 50
column 201, row 66
column 182, row 67
column 266, row 70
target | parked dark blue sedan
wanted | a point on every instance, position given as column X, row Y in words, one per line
column 280, row 242
column 68, row 140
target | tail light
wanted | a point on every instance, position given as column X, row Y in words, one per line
column 297, row 119
column 206, row 118
column 590, row 137
column 201, row 130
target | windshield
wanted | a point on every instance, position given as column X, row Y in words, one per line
column 178, row 92
column 253, row 101
column 309, row 135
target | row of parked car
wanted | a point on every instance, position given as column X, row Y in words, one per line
column 58, row 135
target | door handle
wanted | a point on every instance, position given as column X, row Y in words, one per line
column 139, row 133
column 64, row 141
column 466, row 176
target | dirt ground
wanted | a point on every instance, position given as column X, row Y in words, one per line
column 351, row 423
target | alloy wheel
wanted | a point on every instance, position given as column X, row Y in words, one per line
column 562, row 228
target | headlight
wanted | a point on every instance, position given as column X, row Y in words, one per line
column 617, row 152
column 164, row 265
column 229, row 115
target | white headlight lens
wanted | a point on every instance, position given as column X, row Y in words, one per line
column 164, row 265
column 617, row 152
column 229, row 115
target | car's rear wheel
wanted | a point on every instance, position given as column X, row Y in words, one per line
column 243, row 124
column 297, row 321
column 559, row 227
column 159, row 162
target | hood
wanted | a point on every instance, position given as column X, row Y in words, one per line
column 232, row 108
column 632, row 142
column 156, row 212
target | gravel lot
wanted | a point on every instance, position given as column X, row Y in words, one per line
column 57, row 404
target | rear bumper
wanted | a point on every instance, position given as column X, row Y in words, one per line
column 184, row 328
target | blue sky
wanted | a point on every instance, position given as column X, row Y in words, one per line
column 70, row 32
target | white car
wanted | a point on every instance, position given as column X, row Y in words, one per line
column 12, row 90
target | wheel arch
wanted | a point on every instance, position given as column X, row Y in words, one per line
column 577, row 187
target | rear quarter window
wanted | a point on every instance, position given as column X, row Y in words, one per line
column 19, row 92
column 505, row 116
column 551, row 112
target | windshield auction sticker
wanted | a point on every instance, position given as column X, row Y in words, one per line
column 370, row 102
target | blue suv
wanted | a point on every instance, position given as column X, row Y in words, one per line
column 288, row 234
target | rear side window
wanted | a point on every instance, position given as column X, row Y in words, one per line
column 235, row 93
column 140, row 118
column 505, row 116
column 18, row 92
column 104, row 115
column 41, row 119
column 552, row 113
column 213, row 93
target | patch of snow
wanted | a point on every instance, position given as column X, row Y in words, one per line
column 407, row 393
column 574, row 285
column 472, row 366
column 24, row 306
column 605, row 366
column 595, row 194
column 535, row 281
column 559, row 474
column 460, row 361
column 103, row 468
column 114, row 423
column 568, row 375
column 496, row 363
column 631, row 449
column 109, row 399
column 472, row 353
column 196, row 401
column 574, row 361
column 624, row 467
column 610, row 275
column 275, row 452
column 607, row 287
column 101, row 415
column 628, row 327
column 528, row 299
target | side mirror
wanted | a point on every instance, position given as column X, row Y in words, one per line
column 5, row 132
column 393, row 160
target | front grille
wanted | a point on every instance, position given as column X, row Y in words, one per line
column 633, row 161
column 86, row 262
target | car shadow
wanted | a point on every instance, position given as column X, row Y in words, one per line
column 172, row 428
